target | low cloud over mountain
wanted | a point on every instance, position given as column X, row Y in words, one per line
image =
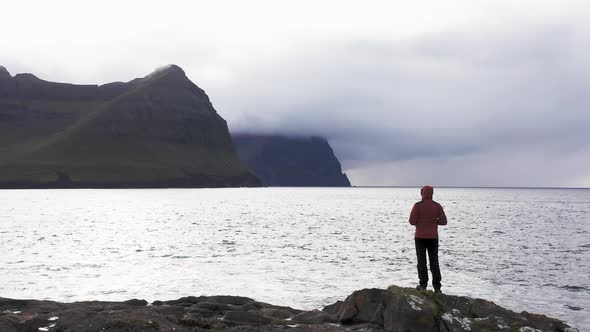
column 445, row 93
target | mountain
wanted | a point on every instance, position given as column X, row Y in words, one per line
column 156, row 131
column 290, row 161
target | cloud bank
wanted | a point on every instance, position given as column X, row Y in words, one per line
column 463, row 94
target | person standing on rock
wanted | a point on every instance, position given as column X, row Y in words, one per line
column 427, row 215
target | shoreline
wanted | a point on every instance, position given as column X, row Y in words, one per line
column 391, row 309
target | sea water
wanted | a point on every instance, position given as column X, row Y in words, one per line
column 525, row 249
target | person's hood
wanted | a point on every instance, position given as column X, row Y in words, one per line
column 427, row 192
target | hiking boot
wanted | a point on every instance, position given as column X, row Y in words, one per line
column 437, row 290
column 420, row 287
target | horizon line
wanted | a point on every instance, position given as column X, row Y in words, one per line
column 474, row 187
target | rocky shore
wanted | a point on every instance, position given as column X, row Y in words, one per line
column 392, row 309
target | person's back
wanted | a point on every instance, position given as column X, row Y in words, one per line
column 426, row 215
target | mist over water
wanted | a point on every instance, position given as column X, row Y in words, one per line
column 525, row 249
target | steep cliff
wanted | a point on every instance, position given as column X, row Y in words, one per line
column 288, row 161
column 156, row 131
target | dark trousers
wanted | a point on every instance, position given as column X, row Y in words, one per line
column 430, row 245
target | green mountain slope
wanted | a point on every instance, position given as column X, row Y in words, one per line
column 158, row 131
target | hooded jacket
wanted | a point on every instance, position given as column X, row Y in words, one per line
column 426, row 215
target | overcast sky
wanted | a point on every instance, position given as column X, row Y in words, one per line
column 460, row 93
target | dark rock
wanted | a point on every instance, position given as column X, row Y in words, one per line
column 333, row 308
column 136, row 302
column 115, row 320
column 168, row 310
column 246, row 317
column 222, row 299
column 363, row 306
column 407, row 309
column 253, row 305
column 6, row 326
column 14, row 305
column 392, row 309
column 202, row 312
column 278, row 313
column 212, row 306
column 235, row 300
column 315, row 317
column 194, row 321
column 289, row 161
column 541, row 322
column 184, row 301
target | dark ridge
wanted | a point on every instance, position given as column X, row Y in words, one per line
column 30, row 87
column 157, row 131
column 4, row 73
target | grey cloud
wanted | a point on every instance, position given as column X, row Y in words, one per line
column 513, row 94
column 449, row 97
column 492, row 168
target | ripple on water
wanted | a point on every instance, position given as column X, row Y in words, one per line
column 294, row 246
column 575, row 288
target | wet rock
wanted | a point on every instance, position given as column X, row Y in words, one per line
column 114, row 320
column 194, row 321
column 246, row 317
column 203, row 312
column 314, row 317
column 406, row 309
column 363, row 306
column 235, row 300
column 224, row 299
column 279, row 313
column 212, row 306
column 543, row 322
column 392, row 309
column 253, row 305
column 167, row 310
column 183, row 301
column 136, row 302
column 333, row 308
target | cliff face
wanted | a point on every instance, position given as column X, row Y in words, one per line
column 284, row 161
column 156, row 131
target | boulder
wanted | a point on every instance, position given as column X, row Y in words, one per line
column 407, row 309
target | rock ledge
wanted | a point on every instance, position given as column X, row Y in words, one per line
column 392, row 309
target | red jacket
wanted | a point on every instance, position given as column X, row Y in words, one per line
column 426, row 215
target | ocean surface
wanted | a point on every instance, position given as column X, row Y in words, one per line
column 525, row 249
